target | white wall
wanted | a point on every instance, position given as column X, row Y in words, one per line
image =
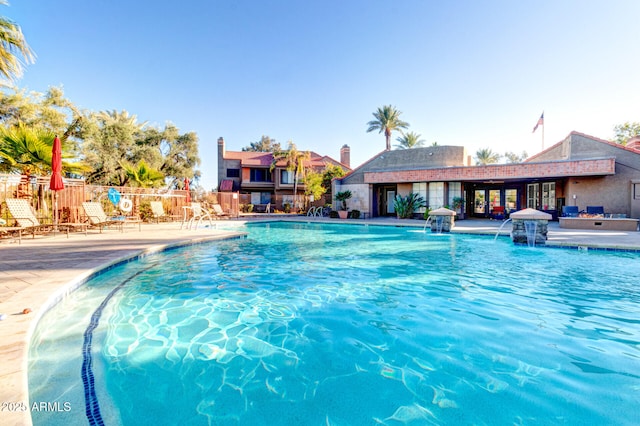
column 359, row 199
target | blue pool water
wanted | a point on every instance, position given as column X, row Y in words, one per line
column 348, row 325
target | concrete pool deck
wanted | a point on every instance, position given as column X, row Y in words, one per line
column 36, row 272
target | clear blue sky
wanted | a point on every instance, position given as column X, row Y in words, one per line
column 471, row 73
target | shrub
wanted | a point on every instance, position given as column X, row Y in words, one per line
column 145, row 211
column 406, row 206
column 333, row 214
column 355, row 214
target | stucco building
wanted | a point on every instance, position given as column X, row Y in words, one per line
column 580, row 170
column 254, row 174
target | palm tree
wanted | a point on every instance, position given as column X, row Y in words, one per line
column 295, row 161
column 28, row 151
column 410, row 140
column 143, row 176
column 387, row 120
column 486, row 156
column 12, row 43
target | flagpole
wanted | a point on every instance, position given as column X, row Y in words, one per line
column 542, row 136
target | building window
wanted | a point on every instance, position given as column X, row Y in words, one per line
column 455, row 191
column 287, row 177
column 436, row 195
column 420, row 188
column 548, row 196
column 233, row 173
column 533, row 195
column 511, row 199
column 258, row 198
column 260, row 175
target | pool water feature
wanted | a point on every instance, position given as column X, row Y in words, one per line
column 339, row 324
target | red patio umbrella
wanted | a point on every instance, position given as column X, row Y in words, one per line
column 186, row 188
column 56, row 184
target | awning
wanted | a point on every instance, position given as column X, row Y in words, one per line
column 226, row 185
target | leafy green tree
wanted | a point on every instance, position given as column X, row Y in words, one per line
column 319, row 183
column 330, row 172
column 313, row 184
column 50, row 110
column 265, row 144
column 486, row 156
column 512, row 157
column 178, row 154
column 387, row 119
column 14, row 50
column 103, row 141
column 626, row 131
column 410, row 140
column 110, row 140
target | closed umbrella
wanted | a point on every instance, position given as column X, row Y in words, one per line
column 56, row 183
column 186, row 188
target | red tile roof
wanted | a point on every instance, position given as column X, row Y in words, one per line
column 250, row 158
column 265, row 159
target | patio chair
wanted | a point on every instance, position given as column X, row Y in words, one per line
column 497, row 213
column 197, row 215
column 26, row 219
column 595, row 210
column 98, row 218
column 217, row 210
column 158, row 213
column 570, row 211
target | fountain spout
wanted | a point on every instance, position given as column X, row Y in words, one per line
column 531, row 227
column 504, row 222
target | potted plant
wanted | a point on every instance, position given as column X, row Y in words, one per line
column 458, row 203
column 343, row 196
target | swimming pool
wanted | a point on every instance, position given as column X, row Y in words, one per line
column 338, row 324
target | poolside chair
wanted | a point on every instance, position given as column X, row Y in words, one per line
column 570, row 211
column 595, row 210
column 26, row 219
column 197, row 215
column 98, row 218
column 217, row 210
column 497, row 213
column 158, row 213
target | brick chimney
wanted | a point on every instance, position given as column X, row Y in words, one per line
column 221, row 150
column 634, row 143
column 222, row 172
column 345, row 155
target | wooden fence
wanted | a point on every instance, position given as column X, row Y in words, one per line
column 76, row 191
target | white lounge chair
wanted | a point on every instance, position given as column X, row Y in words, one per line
column 158, row 213
column 97, row 217
column 26, row 219
column 217, row 209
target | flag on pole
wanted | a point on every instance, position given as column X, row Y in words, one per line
column 539, row 123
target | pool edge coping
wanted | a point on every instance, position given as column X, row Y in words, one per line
column 24, row 418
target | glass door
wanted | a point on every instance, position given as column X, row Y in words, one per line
column 391, row 196
column 511, row 199
column 480, row 202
